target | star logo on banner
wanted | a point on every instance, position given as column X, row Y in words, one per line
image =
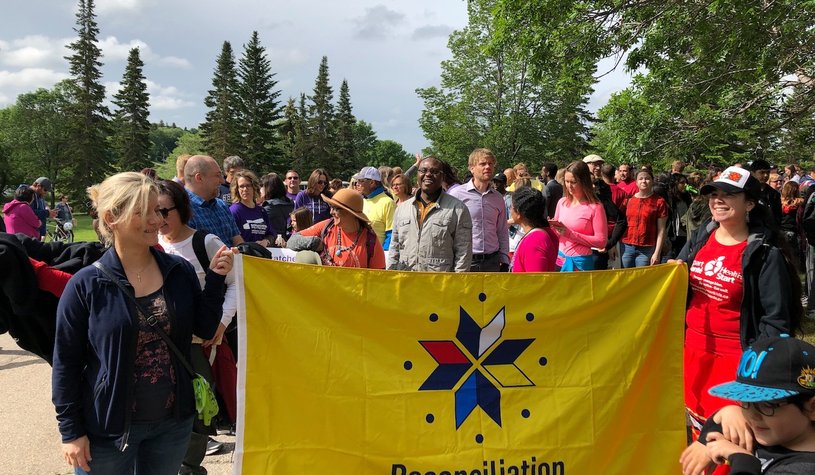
column 484, row 356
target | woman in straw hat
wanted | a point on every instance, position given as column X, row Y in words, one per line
column 347, row 239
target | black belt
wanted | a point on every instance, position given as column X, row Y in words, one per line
column 484, row 257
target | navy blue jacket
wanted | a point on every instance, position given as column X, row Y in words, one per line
column 95, row 349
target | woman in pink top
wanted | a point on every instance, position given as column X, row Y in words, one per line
column 537, row 250
column 18, row 215
column 580, row 220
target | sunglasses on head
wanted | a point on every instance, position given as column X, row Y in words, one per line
column 166, row 211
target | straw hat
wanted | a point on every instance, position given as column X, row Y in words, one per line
column 348, row 200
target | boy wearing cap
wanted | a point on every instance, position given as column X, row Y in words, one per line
column 775, row 387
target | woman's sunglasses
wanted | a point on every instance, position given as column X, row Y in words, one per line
column 166, row 211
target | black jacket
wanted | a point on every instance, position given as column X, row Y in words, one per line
column 26, row 312
column 279, row 210
column 774, row 459
column 765, row 306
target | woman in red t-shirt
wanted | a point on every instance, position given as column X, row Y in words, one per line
column 646, row 214
column 740, row 289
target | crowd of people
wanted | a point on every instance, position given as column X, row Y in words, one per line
column 743, row 232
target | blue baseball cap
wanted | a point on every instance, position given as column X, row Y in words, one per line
column 771, row 369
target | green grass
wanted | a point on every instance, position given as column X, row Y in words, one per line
column 808, row 330
column 84, row 228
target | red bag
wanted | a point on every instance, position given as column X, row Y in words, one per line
column 225, row 376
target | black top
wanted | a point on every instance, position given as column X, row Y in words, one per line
column 773, row 460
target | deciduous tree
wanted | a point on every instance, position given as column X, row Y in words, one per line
column 490, row 98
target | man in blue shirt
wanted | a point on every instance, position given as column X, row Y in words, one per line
column 202, row 179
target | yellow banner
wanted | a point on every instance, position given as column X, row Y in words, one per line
column 350, row 371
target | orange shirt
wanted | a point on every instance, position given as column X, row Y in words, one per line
column 353, row 248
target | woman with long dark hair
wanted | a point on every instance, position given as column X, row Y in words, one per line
column 742, row 287
column 312, row 196
column 277, row 205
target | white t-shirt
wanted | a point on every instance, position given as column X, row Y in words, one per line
column 212, row 243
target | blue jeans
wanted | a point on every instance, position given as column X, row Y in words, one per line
column 151, row 449
column 637, row 256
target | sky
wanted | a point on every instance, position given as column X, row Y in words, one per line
column 385, row 49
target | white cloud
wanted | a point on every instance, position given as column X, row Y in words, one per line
column 104, row 7
column 377, row 23
column 115, row 50
column 14, row 83
column 175, row 61
column 162, row 98
column 431, row 32
column 112, row 49
column 32, row 51
column 169, row 103
column 30, row 78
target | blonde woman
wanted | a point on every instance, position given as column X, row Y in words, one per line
column 123, row 401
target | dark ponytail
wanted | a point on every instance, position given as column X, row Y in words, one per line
column 531, row 205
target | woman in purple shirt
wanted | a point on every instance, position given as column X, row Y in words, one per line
column 252, row 219
column 311, row 197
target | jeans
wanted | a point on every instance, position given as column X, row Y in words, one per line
column 637, row 256
column 153, row 449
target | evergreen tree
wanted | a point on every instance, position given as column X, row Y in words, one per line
column 88, row 118
column 287, row 130
column 131, row 138
column 219, row 130
column 344, row 127
column 302, row 153
column 321, row 121
column 258, row 107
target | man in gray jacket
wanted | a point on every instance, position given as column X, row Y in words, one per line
column 432, row 231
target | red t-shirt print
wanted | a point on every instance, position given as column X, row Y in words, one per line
column 715, row 307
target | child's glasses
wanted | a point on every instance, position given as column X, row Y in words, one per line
column 764, row 408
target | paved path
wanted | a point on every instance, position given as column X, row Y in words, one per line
column 29, row 440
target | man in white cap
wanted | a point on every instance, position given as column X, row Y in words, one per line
column 595, row 163
column 379, row 206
